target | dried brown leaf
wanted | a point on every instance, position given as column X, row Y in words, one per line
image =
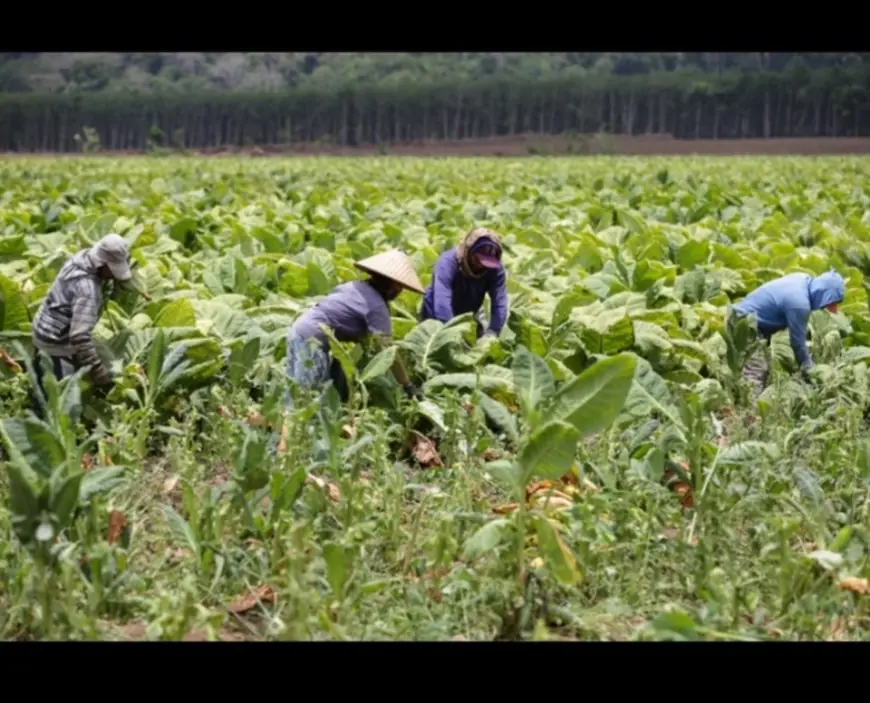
column 684, row 490
column 10, row 363
column 856, row 585
column 424, row 450
column 256, row 419
column 537, row 487
column 242, row 604
column 570, row 478
column 331, row 488
column 117, row 522
column 504, row 509
column 491, row 454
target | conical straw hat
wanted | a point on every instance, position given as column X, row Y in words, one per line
column 394, row 265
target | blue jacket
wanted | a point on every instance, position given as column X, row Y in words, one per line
column 451, row 293
column 787, row 303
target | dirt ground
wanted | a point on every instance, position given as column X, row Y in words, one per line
column 534, row 144
column 553, row 145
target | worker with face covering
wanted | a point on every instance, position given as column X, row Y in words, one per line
column 786, row 303
column 463, row 276
column 64, row 325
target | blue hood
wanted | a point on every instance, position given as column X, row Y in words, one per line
column 827, row 289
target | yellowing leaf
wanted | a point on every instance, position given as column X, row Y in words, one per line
column 559, row 559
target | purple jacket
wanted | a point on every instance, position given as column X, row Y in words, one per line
column 451, row 293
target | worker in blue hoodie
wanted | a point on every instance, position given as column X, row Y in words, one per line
column 463, row 276
column 786, row 303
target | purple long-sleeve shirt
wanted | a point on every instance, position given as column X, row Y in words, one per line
column 451, row 294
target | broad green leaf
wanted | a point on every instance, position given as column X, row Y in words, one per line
column 64, row 497
column 749, row 452
column 693, row 253
column 39, row 447
column 14, row 315
column 486, row 538
column 549, row 453
column 181, row 530
column 380, row 364
column 533, row 380
column 99, row 481
column 178, row 313
column 338, row 567
column 23, row 501
column 593, row 400
column 499, row 414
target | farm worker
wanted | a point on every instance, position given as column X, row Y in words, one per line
column 463, row 276
column 65, row 322
column 351, row 311
column 786, row 303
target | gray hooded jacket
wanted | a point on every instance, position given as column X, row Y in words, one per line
column 66, row 319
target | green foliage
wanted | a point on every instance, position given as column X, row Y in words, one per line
column 525, row 496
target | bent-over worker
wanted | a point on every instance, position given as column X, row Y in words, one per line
column 64, row 325
column 786, row 303
column 352, row 311
column 463, row 276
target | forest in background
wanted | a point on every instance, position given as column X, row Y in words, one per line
column 138, row 101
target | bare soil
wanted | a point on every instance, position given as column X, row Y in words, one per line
column 549, row 145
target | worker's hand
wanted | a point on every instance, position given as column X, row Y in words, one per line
column 103, row 386
column 413, row 392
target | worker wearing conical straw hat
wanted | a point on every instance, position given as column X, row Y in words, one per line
column 463, row 276
column 352, row 311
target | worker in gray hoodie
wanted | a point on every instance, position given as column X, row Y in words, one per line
column 64, row 325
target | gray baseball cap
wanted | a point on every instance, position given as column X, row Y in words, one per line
column 113, row 252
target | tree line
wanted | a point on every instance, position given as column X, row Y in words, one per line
column 827, row 102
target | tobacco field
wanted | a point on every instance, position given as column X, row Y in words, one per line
column 527, row 496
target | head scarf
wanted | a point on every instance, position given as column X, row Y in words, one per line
column 463, row 251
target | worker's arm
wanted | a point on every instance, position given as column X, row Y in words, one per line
column 85, row 313
column 798, row 321
column 442, row 287
column 381, row 328
column 499, row 299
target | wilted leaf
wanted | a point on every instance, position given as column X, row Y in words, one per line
column 262, row 595
column 330, row 488
column 117, row 523
column 858, row 586
column 424, row 450
column 558, row 558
